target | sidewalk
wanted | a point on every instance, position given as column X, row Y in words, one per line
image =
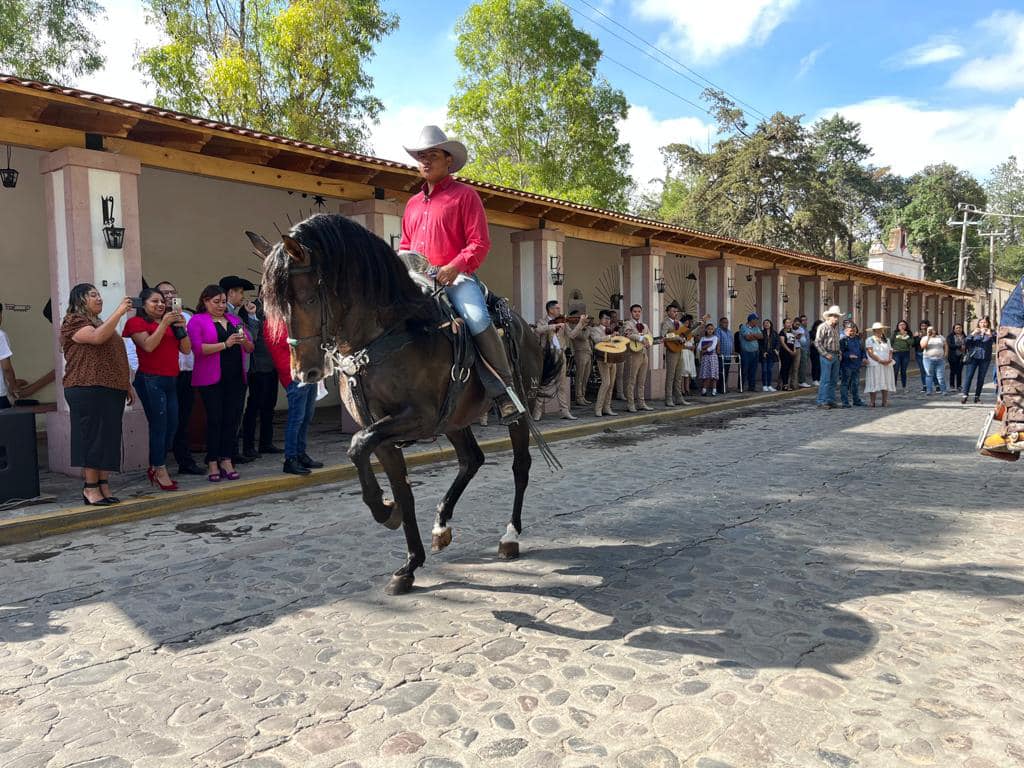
column 327, row 443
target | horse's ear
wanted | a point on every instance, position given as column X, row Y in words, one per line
column 259, row 242
column 295, row 250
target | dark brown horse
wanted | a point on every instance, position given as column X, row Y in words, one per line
column 348, row 301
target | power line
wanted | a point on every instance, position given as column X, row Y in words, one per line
column 657, row 85
column 702, row 85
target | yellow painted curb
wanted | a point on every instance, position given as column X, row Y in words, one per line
column 31, row 527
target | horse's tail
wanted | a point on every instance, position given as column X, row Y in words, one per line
column 553, row 362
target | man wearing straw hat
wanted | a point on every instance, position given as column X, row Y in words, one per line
column 826, row 341
column 445, row 222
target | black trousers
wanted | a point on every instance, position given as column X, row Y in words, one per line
column 815, row 364
column 223, row 402
column 4, row 402
column 96, row 414
column 785, row 364
column 956, row 373
column 186, row 396
column 262, row 401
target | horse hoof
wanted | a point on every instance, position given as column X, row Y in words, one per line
column 400, row 585
column 439, row 541
column 508, row 550
column 395, row 521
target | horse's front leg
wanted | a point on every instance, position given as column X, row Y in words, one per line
column 508, row 546
column 471, row 458
column 363, row 444
column 393, row 462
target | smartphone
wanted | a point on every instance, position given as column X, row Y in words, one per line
column 176, row 304
column 137, row 303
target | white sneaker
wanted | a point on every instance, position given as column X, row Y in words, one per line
column 805, row 386
column 816, row 383
column 772, row 389
column 764, row 389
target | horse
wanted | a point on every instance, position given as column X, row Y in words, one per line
column 348, row 301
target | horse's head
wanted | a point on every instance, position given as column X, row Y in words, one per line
column 293, row 297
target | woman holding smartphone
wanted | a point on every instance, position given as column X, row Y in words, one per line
column 933, row 356
column 220, row 343
column 159, row 335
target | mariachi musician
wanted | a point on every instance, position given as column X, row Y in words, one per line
column 620, row 380
column 674, row 333
column 608, row 371
column 583, row 354
column 562, row 333
column 638, row 359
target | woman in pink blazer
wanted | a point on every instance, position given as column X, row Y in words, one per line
column 221, row 345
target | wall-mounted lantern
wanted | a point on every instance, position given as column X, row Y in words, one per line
column 691, row 276
column 785, row 296
column 733, row 293
column 659, row 280
column 9, row 176
column 557, row 278
column 112, row 234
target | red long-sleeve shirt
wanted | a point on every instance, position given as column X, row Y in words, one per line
column 448, row 227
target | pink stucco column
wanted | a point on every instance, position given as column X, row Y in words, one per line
column 768, row 299
column 638, row 287
column 714, row 282
column 810, row 297
column 536, row 253
column 75, row 181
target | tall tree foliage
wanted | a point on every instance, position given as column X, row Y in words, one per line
column 49, row 40
column 1005, row 190
column 934, row 193
column 292, row 67
column 531, row 107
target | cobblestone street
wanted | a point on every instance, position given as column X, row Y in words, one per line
column 788, row 587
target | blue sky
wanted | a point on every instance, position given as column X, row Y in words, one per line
column 929, row 81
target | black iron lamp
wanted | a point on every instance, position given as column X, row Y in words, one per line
column 856, row 305
column 750, row 275
column 112, row 234
column 615, row 300
column 885, row 305
column 691, row 276
column 785, row 296
column 557, row 278
column 659, row 280
column 733, row 293
column 9, row 176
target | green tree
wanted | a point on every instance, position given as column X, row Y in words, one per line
column 933, row 197
column 291, row 67
column 48, row 39
column 531, row 107
column 1005, row 190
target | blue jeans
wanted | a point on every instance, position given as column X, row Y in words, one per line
column 159, row 398
column 829, row 379
column 849, row 385
column 921, row 369
column 902, row 361
column 748, row 366
column 979, row 367
column 301, row 404
column 467, row 297
column 767, row 366
column 935, row 373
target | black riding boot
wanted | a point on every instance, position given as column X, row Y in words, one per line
column 490, row 345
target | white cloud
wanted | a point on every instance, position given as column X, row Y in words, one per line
column 808, row 61
column 1004, row 71
column 400, row 126
column 907, row 135
column 708, row 30
column 646, row 136
column 936, row 49
column 123, row 29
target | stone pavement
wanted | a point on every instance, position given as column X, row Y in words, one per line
column 326, row 441
column 783, row 588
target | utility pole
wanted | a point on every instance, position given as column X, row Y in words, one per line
column 992, row 267
column 968, row 209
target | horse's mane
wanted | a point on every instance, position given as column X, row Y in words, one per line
column 353, row 264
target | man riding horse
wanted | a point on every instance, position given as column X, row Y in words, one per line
column 445, row 222
column 1008, row 442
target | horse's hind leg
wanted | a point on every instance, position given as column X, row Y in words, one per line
column 471, row 458
column 393, row 462
column 519, row 433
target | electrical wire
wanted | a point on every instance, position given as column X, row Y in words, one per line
column 706, row 82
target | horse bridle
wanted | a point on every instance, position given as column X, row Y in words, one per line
column 325, row 313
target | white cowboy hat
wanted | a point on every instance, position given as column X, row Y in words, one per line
column 833, row 310
column 878, row 326
column 432, row 137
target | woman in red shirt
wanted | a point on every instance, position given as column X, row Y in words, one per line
column 159, row 334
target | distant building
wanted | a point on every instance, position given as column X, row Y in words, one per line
column 896, row 258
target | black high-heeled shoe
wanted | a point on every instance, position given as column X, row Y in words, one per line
column 101, row 503
column 109, row 499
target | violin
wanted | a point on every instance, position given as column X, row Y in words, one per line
column 567, row 319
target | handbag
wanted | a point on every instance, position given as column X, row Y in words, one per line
column 977, row 352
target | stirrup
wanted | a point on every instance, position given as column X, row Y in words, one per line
column 510, row 407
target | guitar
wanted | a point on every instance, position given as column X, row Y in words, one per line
column 612, row 349
column 673, row 342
